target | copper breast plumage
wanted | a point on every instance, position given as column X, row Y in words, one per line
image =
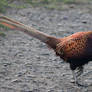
column 73, row 46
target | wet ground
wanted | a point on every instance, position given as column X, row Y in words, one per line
column 27, row 65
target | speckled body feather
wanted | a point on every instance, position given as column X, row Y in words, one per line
column 76, row 49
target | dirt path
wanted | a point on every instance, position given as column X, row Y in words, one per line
column 27, row 65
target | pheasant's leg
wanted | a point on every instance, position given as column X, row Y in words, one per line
column 79, row 71
column 76, row 71
column 74, row 77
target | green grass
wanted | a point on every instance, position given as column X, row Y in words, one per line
column 3, row 4
column 17, row 6
column 6, row 3
column 54, row 4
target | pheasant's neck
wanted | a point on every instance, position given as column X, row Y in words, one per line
column 52, row 42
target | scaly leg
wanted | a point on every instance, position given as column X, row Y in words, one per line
column 74, row 77
column 79, row 71
column 77, row 74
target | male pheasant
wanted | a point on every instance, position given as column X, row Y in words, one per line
column 75, row 49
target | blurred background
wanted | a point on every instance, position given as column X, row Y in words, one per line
column 50, row 4
column 26, row 64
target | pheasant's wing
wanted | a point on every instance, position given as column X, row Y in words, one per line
column 72, row 48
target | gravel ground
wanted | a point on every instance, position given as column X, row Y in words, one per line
column 27, row 65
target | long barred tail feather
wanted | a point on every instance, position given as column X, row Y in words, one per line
column 13, row 24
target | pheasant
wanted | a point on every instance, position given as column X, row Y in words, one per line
column 76, row 49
